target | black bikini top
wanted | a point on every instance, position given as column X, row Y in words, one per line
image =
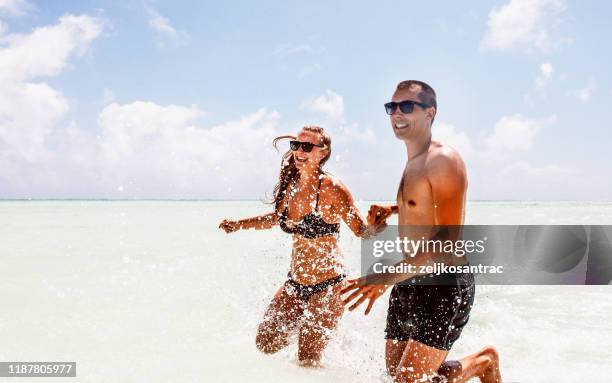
column 312, row 225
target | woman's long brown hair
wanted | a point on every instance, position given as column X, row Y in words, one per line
column 289, row 172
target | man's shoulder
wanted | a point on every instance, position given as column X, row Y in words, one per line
column 445, row 165
column 443, row 158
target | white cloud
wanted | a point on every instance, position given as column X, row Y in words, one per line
column 331, row 104
column 138, row 149
column 160, row 23
column 512, row 134
column 28, row 110
column 14, row 7
column 164, row 28
column 449, row 134
column 496, row 165
column 541, row 82
column 31, row 111
column 146, row 150
column 45, row 51
column 524, row 169
column 524, row 25
column 546, row 71
column 585, row 93
column 143, row 149
column 155, row 150
column 522, row 180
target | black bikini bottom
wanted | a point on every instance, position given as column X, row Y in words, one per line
column 304, row 292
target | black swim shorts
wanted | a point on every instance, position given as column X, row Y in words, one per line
column 430, row 314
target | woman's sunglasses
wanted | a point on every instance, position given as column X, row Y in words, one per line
column 405, row 106
column 306, row 146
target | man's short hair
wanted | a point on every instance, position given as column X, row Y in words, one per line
column 427, row 95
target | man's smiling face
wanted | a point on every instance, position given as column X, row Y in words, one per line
column 410, row 125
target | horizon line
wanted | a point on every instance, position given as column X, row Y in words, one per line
column 259, row 200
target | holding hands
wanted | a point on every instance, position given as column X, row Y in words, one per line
column 378, row 214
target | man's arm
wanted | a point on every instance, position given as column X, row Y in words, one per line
column 446, row 177
column 448, row 180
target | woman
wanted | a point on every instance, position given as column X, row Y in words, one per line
column 309, row 204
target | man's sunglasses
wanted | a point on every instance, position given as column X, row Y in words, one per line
column 405, row 106
column 306, row 146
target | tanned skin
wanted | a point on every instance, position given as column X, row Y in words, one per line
column 313, row 260
column 432, row 191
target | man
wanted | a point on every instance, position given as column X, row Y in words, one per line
column 423, row 321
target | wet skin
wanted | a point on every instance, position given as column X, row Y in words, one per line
column 313, row 260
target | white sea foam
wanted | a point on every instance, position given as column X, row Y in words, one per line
column 152, row 291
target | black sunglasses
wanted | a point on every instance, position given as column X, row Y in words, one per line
column 306, row 146
column 405, row 106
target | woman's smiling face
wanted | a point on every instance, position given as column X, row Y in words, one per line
column 309, row 160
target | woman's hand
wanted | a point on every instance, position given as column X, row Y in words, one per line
column 229, row 226
column 362, row 292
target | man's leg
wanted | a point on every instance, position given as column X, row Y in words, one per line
column 483, row 364
column 394, row 349
column 419, row 362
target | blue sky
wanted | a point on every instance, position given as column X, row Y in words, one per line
column 177, row 99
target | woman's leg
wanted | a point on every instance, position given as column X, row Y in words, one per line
column 321, row 316
column 281, row 318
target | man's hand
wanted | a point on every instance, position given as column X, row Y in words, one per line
column 229, row 226
column 378, row 214
column 362, row 292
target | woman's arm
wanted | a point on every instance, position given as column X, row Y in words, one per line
column 351, row 216
column 260, row 222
